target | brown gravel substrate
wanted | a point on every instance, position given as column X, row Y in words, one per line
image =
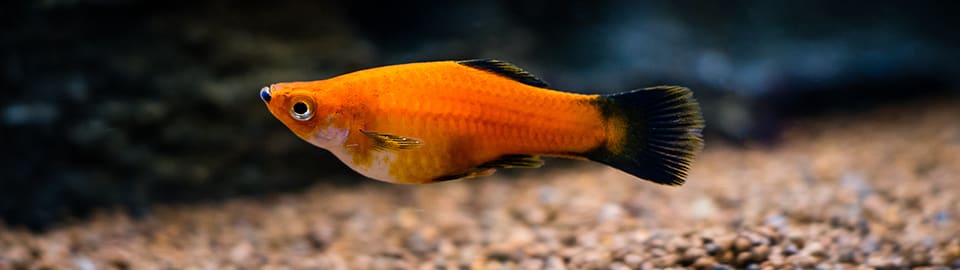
column 877, row 190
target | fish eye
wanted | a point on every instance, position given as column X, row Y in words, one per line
column 301, row 111
column 265, row 94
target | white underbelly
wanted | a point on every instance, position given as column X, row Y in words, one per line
column 378, row 168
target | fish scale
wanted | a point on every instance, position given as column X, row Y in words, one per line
column 504, row 125
column 499, row 114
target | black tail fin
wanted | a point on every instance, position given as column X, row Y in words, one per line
column 652, row 133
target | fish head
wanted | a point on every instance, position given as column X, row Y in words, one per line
column 308, row 111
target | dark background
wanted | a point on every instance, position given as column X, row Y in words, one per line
column 123, row 104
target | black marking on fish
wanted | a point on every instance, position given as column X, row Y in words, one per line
column 663, row 128
column 506, row 70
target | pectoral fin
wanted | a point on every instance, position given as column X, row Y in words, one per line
column 382, row 141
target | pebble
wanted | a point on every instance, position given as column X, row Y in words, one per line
column 727, row 257
column 555, row 263
column 742, row 244
column 693, row 254
column 84, row 263
column 669, row 260
column 801, row 261
column 703, row 208
column 610, row 212
column 790, row 250
column 777, row 221
column 815, row 249
column 711, row 248
column 725, row 242
column 532, row 264
column 761, row 252
column 678, row 244
column 596, row 259
column 535, row 215
column 877, row 261
column 633, row 260
column 619, row 266
column 704, row 263
column 769, row 234
column 722, row 267
column 744, row 257
column 798, row 239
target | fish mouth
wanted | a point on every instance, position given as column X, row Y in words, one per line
column 265, row 93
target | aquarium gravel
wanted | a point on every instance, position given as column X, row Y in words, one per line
column 876, row 190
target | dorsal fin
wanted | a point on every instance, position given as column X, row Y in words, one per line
column 506, row 70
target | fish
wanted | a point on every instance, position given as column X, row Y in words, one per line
column 430, row 122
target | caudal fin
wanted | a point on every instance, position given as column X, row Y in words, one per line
column 652, row 133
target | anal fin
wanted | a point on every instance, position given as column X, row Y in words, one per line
column 471, row 174
column 514, row 161
column 488, row 168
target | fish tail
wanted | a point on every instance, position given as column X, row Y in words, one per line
column 652, row 133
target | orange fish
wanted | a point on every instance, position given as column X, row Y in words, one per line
column 437, row 121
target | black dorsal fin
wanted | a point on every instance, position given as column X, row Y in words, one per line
column 506, row 70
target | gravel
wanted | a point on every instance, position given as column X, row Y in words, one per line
column 875, row 190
